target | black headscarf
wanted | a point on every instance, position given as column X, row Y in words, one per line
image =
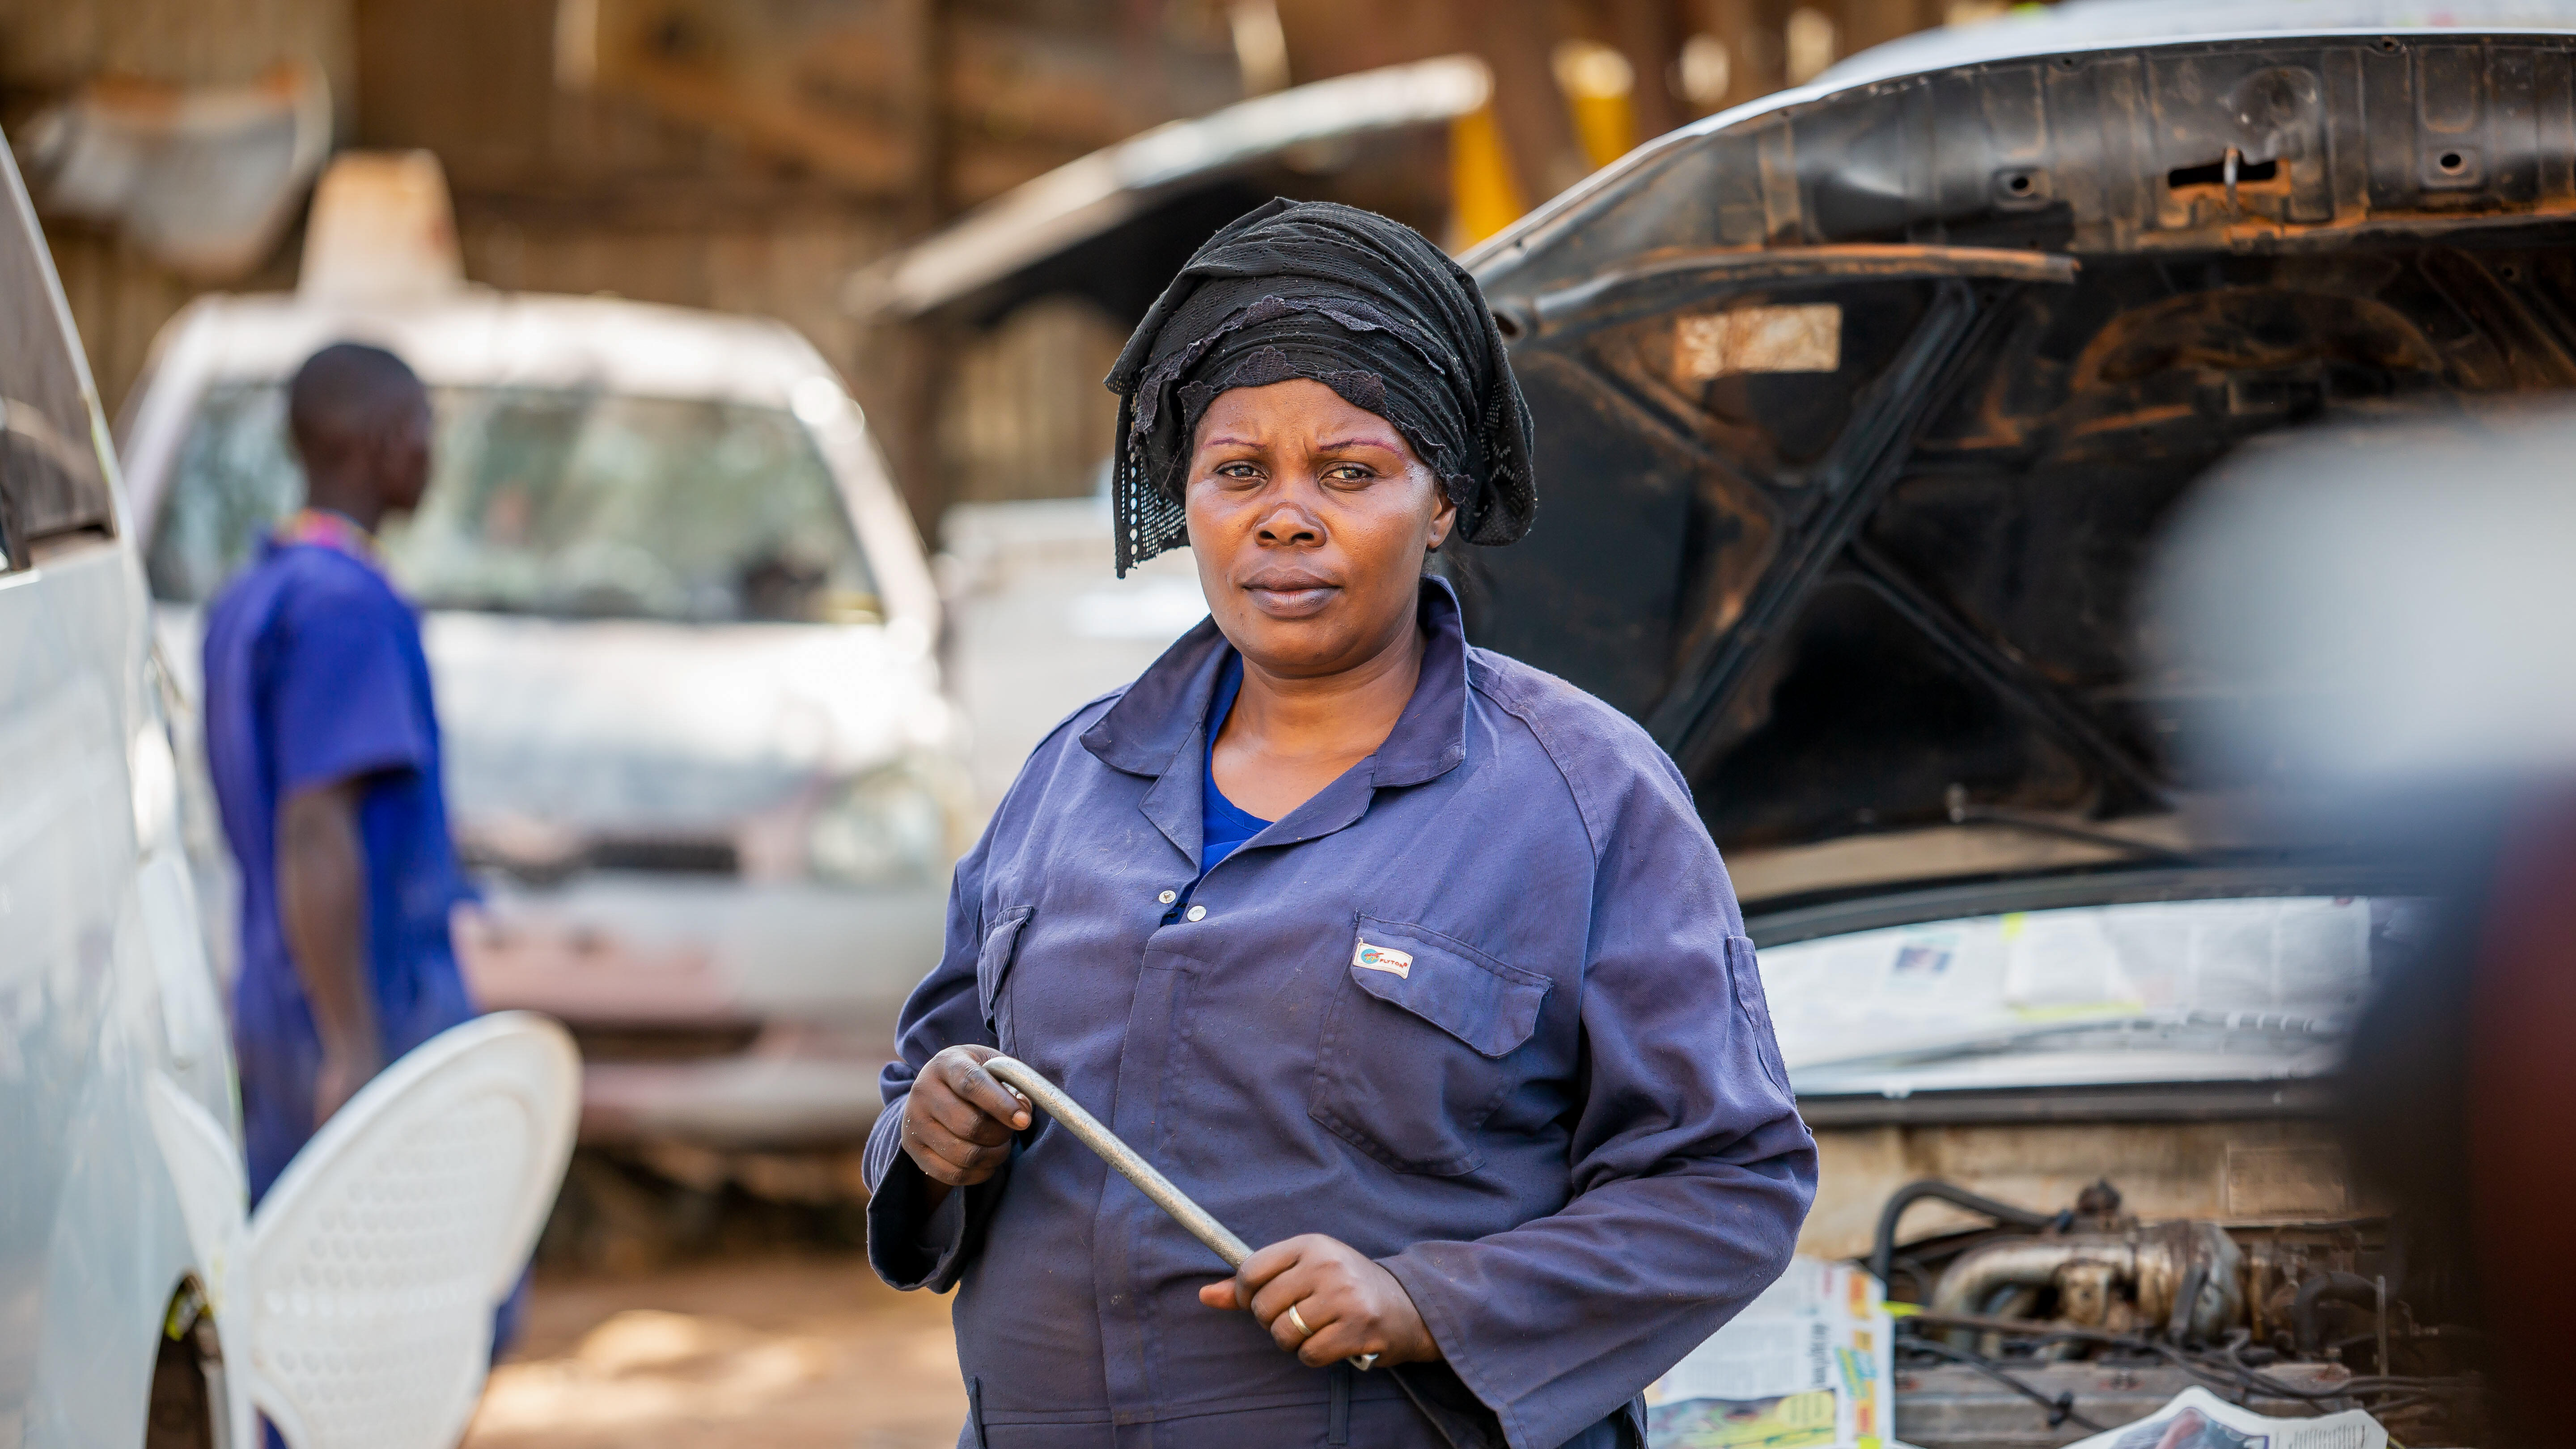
column 1366, row 306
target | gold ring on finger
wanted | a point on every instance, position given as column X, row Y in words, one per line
column 1299, row 1319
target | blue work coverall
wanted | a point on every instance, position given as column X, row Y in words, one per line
column 1563, row 1125
column 315, row 674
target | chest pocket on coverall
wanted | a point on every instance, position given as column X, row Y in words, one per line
column 1411, row 1062
column 993, row 965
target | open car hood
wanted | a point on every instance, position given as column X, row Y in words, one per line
column 1115, row 225
column 1862, row 410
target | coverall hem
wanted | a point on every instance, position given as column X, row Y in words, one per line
column 1364, row 1392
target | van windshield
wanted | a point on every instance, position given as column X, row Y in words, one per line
column 548, row 502
column 2193, row 990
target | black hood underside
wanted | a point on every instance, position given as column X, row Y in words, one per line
column 1860, row 418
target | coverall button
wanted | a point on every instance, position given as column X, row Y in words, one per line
column 1198, row 913
column 1168, row 897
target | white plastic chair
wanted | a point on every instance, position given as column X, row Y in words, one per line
column 355, row 1309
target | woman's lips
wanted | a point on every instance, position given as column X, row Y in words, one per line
column 1291, row 596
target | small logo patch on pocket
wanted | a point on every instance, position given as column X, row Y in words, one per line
column 1383, row 958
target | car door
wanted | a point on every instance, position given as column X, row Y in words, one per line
column 101, row 981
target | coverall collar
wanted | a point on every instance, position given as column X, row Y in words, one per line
column 1158, row 730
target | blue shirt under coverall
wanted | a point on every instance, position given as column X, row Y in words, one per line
column 1223, row 825
column 315, row 674
column 1482, row 1008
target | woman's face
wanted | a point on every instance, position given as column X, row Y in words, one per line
column 1309, row 519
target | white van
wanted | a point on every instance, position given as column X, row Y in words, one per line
column 682, row 632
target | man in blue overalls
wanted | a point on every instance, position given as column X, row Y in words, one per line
column 324, row 749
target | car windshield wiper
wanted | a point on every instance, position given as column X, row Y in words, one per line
column 1963, row 813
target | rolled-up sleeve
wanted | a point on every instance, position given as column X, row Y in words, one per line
column 911, row 1244
column 1690, row 1169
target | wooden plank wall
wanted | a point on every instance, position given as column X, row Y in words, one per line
column 655, row 182
column 120, row 298
column 560, row 190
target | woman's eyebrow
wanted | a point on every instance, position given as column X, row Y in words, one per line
column 1357, row 440
column 1229, row 443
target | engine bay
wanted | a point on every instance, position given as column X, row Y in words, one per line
column 2043, row 1329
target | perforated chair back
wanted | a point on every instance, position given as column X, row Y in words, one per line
column 355, row 1308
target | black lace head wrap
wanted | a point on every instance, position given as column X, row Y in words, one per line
column 1361, row 304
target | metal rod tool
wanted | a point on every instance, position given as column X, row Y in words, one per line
column 1087, row 1129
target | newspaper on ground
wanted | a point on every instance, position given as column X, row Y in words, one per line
column 1808, row 1365
column 2199, row 1419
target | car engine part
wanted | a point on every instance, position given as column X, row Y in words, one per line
column 2045, row 1328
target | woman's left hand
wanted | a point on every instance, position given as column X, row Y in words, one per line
column 1345, row 1304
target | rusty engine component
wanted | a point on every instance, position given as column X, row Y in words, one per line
column 2046, row 1326
column 2098, row 1268
column 2181, row 1278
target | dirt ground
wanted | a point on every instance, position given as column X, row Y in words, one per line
column 781, row 1351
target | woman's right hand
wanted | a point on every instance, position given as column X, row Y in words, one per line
column 958, row 1119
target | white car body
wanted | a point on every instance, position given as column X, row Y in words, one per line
column 1039, row 625
column 777, row 988
column 104, row 986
